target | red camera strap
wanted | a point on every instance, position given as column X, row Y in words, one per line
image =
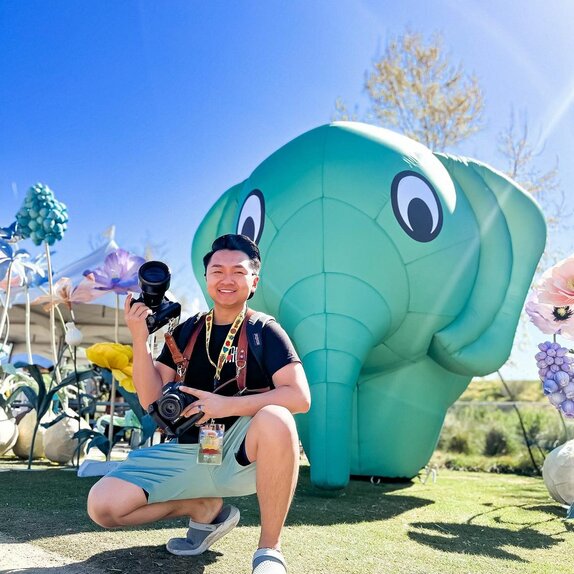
column 182, row 360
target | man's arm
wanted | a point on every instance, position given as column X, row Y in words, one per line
column 148, row 376
column 291, row 391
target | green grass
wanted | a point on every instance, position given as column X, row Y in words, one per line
column 464, row 523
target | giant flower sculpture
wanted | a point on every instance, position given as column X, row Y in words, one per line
column 119, row 273
column 557, row 284
column 23, row 273
column 43, row 219
column 6, row 256
column 117, row 358
column 66, row 293
column 10, row 234
column 26, row 272
column 551, row 308
column 550, row 319
column 17, row 268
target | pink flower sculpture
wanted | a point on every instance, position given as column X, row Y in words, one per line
column 119, row 272
column 550, row 319
column 65, row 293
column 557, row 284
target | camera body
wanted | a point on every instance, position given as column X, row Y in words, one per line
column 161, row 315
column 167, row 410
column 154, row 278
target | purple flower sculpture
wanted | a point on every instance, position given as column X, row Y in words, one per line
column 119, row 273
column 555, row 371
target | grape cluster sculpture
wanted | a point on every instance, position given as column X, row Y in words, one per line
column 556, row 368
column 42, row 218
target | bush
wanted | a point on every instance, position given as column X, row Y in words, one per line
column 489, row 437
column 498, row 441
column 459, row 443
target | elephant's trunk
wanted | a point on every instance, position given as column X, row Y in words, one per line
column 333, row 346
column 332, row 379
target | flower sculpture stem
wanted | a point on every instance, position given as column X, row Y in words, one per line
column 113, row 389
column 521, row 421
column 52, row 318
column 7, row 302
column 28, row 335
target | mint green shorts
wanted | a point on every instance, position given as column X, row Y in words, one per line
column 169, row 471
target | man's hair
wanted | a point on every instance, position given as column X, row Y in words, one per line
column 235, row 242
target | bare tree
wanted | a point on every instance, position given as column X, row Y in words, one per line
column 414, row 87
column 515, row 147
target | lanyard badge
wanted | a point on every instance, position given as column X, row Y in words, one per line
column 210, row 444
column 211, row 434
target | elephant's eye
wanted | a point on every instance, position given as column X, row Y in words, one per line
column 252, row 216
column 416, row 206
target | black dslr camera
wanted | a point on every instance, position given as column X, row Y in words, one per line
column 166, row 411
column 154, row 278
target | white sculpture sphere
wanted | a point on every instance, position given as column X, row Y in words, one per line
column 25, row 432
column 8, row 432
column 558, row 473
column 73, row 335
column 59, row 446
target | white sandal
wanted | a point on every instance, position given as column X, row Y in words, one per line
column 201, row 536
column 269, row 561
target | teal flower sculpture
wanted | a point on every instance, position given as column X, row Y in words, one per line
column 42, row 218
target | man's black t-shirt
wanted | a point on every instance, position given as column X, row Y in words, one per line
column 278, row 351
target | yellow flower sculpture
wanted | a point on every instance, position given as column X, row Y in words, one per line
column 117, row 358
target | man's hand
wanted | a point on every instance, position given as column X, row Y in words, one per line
column 135, row 316
column 214, row 406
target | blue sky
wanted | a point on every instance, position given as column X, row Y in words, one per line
column 140, row 114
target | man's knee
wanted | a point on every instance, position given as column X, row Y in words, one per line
column 274, row 424
column 110, row 499
column 99, row 509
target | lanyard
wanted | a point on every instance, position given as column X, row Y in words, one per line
column 223, row 354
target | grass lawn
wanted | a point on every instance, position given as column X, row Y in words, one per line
column 464, row 523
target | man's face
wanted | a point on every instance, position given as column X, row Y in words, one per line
column 230, row 279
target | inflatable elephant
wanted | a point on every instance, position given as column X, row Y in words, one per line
column 399, row 274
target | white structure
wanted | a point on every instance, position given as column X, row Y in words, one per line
column 558, row 473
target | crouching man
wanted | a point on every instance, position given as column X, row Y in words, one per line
column 253, row 393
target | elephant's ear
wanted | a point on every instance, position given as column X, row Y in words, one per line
column 218, row 221
column 512, row 238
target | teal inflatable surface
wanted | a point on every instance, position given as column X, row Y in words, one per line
column 399, row 274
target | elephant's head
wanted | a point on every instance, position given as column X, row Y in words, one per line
column 378, row 254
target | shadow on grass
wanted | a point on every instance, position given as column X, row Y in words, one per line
column 141, row 560
column 557, row 516
column 480, row 539
column 54, row 504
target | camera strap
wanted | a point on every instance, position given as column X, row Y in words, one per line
column 181, row 360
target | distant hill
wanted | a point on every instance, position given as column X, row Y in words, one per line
column 481, row 389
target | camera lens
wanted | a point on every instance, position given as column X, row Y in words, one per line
column 154, row 272
column 154, row 279
column 169, row 407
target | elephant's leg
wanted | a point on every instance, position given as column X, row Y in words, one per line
column 399, row 416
